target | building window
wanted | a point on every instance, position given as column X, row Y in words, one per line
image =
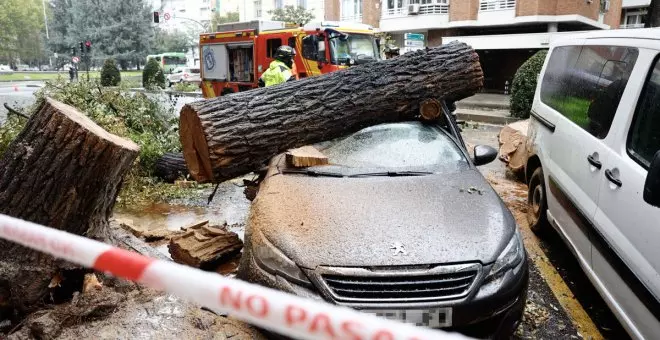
column 351, row 10
column 635, row 18
column 257, row 8
column 585, row 84
column 279, row 4
column 494, row 5
column 302, row 3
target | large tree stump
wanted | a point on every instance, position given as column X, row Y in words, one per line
column 228, row 136
column 62, row 171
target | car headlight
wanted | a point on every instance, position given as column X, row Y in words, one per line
column 511, row 256
column 275, row 262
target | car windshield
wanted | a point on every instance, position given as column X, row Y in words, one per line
column 355, row 46
column 398, row 147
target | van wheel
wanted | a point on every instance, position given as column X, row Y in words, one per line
column 537, row 204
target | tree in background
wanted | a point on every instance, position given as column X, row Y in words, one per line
column 152, row 76
column 119, row 29
column 524, row 85
column 110, row 75
column 218, row 19
column 653, row 19
column 294, row 14
column 165, row 41
column 21, row 25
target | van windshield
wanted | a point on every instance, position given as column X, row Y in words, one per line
column 355, row 46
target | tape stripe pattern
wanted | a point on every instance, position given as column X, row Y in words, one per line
column 277, row 311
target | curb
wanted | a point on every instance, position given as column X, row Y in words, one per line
column 483, row 118
column 169, row 92
column 483, row 106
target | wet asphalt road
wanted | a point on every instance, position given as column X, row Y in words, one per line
column 16, row 95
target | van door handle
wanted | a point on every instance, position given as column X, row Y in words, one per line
column 610, row 176
column 596, row 163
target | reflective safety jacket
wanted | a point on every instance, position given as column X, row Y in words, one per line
column 276, row 73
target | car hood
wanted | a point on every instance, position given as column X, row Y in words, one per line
column 437, row 219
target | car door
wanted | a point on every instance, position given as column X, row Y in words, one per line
column 626, row 255
column 577, row 88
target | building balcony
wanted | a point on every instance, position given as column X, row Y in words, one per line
column 496, row 12
column 352, row 18
column 632, row 26
column 414, row 17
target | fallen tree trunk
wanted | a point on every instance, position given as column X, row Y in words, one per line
column 170, row 167
column 62, row 171
column 229, row 136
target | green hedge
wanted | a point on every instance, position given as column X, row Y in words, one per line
column 153, row 76
column 524, row 85
column 110, row 75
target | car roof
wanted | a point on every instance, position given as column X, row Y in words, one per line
column 640, row 33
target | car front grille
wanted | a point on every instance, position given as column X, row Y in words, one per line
column 396, row 286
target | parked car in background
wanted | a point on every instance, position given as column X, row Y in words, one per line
column 44, row 67
column 22, row 67
column 594, row 165
column 5, row 69
column 401, row 224
column 184, row 75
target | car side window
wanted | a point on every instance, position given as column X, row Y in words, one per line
column 585, row 84
column 272, row 45
column 644, row 135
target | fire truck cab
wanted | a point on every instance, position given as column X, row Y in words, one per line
column 233, row 59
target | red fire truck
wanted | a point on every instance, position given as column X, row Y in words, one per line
column 234, row 58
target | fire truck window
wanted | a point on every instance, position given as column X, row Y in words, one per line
column 292, row 42
column 272, row 45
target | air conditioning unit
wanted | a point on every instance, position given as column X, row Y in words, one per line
column 413, row 9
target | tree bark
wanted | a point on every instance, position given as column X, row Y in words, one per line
column 232, row 135
column 62, row 171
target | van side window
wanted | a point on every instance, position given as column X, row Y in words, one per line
column 644, row 138
column 585, row 84
column 271, row 46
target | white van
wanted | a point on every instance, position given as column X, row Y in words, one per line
column 594, row 165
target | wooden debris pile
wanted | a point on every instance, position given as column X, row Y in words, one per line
column 204, row 246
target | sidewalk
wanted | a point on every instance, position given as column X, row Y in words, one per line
column 488, row 108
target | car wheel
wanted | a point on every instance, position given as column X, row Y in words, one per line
column 537, row 204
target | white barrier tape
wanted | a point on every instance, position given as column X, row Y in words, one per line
column 264, row 307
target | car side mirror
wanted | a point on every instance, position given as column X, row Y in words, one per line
column 484, row 154
column 652, row 185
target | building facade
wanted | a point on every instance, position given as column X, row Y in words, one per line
column 259, row 9
column 634, row 13
column 505, row 33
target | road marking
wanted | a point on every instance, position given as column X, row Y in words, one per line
column 513, row 192
column 567, row 300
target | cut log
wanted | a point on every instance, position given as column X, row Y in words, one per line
column 202, row 246
column 170, row 167
column 513, row 145
column 62, row 171
column 229, row 136
column 305, row 156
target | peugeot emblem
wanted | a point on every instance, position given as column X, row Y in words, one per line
column 398, row 249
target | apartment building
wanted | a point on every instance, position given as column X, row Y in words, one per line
column 634, row 13
column 505, row 33
column 259, row 9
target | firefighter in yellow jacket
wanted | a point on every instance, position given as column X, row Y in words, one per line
column 279, row 70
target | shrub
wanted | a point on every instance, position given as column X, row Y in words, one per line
column 524, row 85
column 186, row 87
column 110, row 75
column 153, row 76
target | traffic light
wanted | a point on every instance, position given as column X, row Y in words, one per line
column 88, row 46
column 81, row 47
column 156, row 17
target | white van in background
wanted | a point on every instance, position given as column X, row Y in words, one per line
column 594, row 165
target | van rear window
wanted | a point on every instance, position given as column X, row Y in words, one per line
column 585, row 84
